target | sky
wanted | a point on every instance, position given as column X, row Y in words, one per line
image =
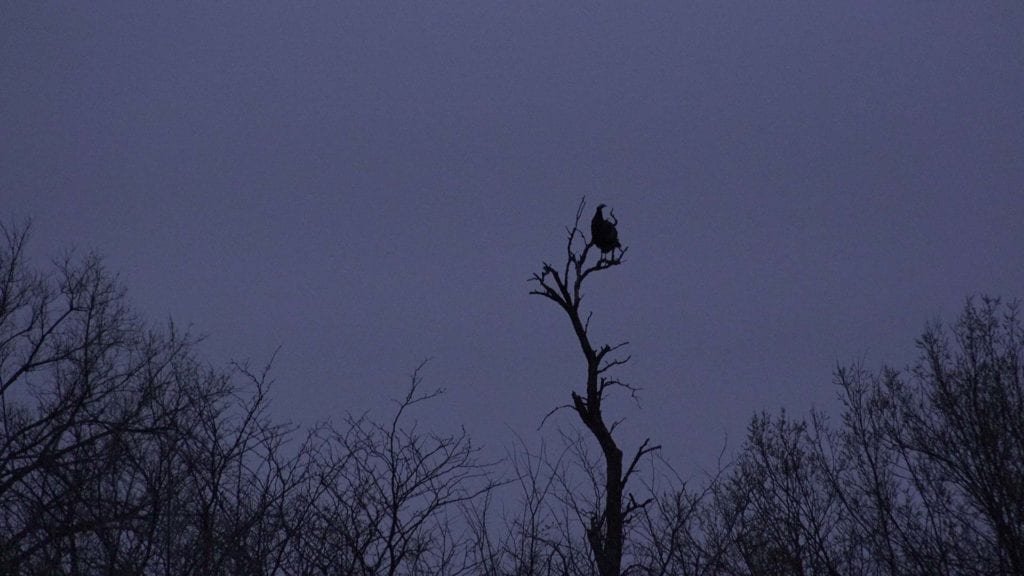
column 367, row 185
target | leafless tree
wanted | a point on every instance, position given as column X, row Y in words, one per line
column 937, row 477
column 529, row 531
column 606, row 527
column 391, row 496
column 119, row 452
column 228, row 479
column 681, row 533
column 923, row 476
column 788, row 518
column 81, row 383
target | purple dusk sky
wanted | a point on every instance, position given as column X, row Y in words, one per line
column 370, row 184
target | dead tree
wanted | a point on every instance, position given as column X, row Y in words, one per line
column 606, row 532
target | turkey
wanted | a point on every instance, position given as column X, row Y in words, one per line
column 603, row 233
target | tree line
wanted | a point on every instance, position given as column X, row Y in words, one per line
column 121, row 453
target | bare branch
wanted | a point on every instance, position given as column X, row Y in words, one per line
column 552, row 411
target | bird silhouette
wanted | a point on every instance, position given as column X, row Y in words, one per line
column 603, row 233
